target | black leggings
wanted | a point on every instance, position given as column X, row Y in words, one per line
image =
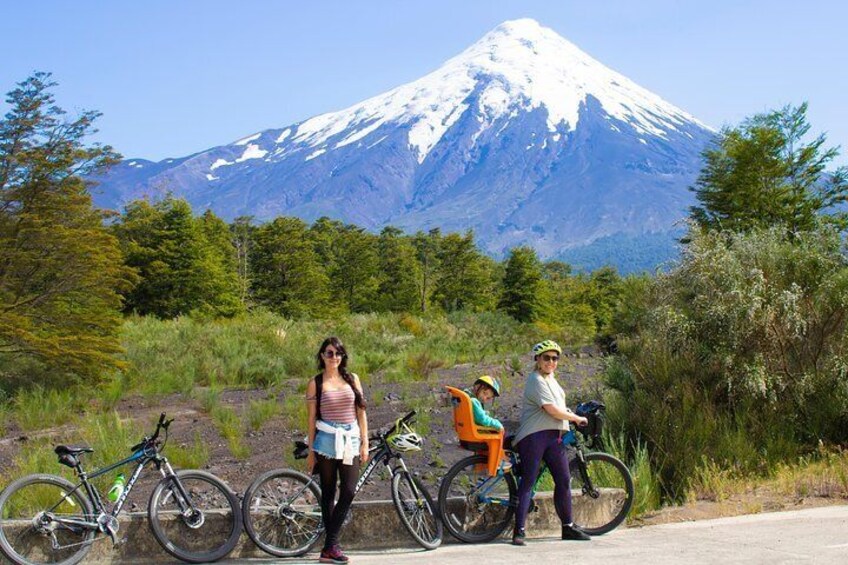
column 333, row 513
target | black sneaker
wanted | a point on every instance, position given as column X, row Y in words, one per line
column 518, row 537
column 574, row 533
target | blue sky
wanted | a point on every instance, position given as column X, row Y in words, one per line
column 177, row 77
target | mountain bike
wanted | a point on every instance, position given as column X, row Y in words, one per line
column 49, row 519
column 477, row 506
column 282, row 508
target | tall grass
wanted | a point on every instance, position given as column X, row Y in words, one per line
column 262, row 349
column 189, row 456
column 823, row 474
column 38, row 408
column 230, row 427
column 109, row 435
column 294, row 412
column 260, row 411
column 646, row 484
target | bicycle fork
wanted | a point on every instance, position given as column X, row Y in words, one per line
column 192, row 517
column 588, row 488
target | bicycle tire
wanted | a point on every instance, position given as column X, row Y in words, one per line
column 467, row 514
column 417, row 512
column 282, row 513
column 178, row 533
column 606, row 505
column 18, row 535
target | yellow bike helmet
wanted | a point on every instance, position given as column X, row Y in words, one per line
column 491, row 383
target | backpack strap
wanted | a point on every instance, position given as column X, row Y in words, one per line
column 319, row 383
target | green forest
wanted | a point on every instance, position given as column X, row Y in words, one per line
column 733, row 360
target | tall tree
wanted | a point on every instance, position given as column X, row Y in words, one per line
column 464, row 281
column 222, row 264
column 522, row 284
column 427, row 251
column 243, row 230
column 762, row 173
column 60, row 269
column 399, row 272
column 355, row 276
column 287, row 274
column 180, row 270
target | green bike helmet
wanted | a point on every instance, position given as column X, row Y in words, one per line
column 491, row 383
column 547, row 345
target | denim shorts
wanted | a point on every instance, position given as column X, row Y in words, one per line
column 325, row 443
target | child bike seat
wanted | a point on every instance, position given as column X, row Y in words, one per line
column 473, row 437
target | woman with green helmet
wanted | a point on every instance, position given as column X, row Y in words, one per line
column 544, row 419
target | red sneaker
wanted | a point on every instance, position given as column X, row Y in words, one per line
column 333, row 554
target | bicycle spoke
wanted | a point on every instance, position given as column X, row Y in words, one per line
column 416, row 510
column 31, row 529
column 200, row 522
column 474, row 506
column 282, row 513
column 607, row 493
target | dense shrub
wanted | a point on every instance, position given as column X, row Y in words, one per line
column 740, row 355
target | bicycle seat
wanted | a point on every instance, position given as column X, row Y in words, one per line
column 72, row 449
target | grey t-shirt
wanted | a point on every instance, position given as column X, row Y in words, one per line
column 538, row 391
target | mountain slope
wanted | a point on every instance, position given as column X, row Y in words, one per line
column 522, row 137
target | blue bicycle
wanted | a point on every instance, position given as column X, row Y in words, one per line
column 477, row 506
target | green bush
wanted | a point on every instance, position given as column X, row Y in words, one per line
column 739, row 357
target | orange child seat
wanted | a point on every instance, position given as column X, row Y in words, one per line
column 473, row 437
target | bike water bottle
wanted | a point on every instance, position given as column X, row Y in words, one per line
column 117, row 488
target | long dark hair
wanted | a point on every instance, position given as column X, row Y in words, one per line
column 348, row 378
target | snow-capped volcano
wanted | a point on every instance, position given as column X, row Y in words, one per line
column 522, row 137
column 523, row 66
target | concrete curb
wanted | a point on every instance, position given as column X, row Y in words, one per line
column 374, row 526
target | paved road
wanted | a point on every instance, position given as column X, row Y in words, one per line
column 818, row 535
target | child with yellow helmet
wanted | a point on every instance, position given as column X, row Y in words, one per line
column 485, row 389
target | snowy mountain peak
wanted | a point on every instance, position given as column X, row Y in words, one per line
column 519, row 65
column 522, row 137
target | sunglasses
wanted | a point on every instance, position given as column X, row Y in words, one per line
column 553, row 358
column 329, row 354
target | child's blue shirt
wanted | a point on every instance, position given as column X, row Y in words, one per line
column 481, row 417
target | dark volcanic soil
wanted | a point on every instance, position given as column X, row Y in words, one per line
column 271, row 446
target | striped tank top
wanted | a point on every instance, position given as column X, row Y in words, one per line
column 338, row 406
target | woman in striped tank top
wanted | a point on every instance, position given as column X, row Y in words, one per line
column 338, row 439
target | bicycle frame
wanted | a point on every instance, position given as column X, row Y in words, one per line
column 105, row 521
column 486, row 487
column 382, row 454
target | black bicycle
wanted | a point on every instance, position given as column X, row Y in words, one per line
column 477, row 507
column 48, row 519
column 282, row 508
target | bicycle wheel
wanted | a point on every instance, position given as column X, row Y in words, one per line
column 607, row 489
column 416, row 510
column 282, row 512
column 195, row 516
column 474, row 506
column 31, row 528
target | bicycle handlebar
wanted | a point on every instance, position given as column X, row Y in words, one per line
column 162, row 424
column 405, row 420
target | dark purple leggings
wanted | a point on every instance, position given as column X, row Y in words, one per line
column 532, row 450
